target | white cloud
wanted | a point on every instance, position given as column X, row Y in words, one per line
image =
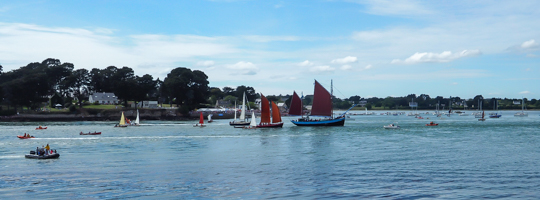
column 266, row 38
column 525, row 92
column 305, row 63
column 445, row 56
column 368, row 67
column 529, row 44
column 395, row 7
column 320, row 69
column 243, row 68
column 346, row 67
column 348, row 59
column 206, row 63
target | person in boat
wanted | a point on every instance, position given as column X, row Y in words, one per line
column 24, row 135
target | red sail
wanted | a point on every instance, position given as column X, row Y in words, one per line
column 276, row 115
column 265, row 110
column 296, row 105
column 322, row 101
column 201, row 119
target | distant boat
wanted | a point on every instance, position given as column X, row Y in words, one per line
column 522, row 113
column 136, row 123
column 322, row 106
column 41, row 128
column 242, row 121
column 432, row 124
column 482, row 119
column 495, row 114
column 201, row 121
column 265, row 115
column 90, row 133
column 391, row 126
column 122, row 123
column 210, row 118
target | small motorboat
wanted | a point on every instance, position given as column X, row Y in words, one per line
column 41, row 128
column 25, row 137
column 391, row 126
column 33, row 155
column 90, row 133
column 432, row 124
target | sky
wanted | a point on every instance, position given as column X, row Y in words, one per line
column 365, row 47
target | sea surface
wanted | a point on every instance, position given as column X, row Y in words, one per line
column 461, row 158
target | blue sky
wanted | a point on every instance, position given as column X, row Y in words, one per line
column 368, row 48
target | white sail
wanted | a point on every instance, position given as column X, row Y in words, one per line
column 253, row 122
column 137, row 119
column 209, row 117
column 243, row 113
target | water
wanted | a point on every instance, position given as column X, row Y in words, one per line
column 461, row 158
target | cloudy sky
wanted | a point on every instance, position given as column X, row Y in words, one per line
column 368, row 48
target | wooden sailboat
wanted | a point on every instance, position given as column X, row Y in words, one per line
column 201, row 121
column 322, row 107
column 122, row 123
column 265, row 115
column 242, row 120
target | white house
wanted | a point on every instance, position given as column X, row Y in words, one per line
column 103, row 98
column 148, row 104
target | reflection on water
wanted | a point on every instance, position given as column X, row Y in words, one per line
column 460, row 158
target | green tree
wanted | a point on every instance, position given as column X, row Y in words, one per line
column 251, row 95
column 143, row 87
column 388, row 102
column 190, row 88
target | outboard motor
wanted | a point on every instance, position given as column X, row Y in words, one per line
column 32, row 152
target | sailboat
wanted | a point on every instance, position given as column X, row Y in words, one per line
column 210, row 118
column 136, row 123
column 495, row 114
column 522, row 113
column 201, row 122
column 479, row 114
column 265, row 115
column 482, row 119
column 322, row 106
column 253, row 123
column 242, row 121
column 122, row 123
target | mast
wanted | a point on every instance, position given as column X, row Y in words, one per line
column 332, row 96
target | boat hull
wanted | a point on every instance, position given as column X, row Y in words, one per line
column 239, row 123
column 50, row 156
column 330, row 122
column 98, row 133
column 276, row 125
column 22, row 137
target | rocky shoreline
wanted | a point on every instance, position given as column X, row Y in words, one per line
column 112, row 115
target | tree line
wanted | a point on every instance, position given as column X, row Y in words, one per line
column 38, row 82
